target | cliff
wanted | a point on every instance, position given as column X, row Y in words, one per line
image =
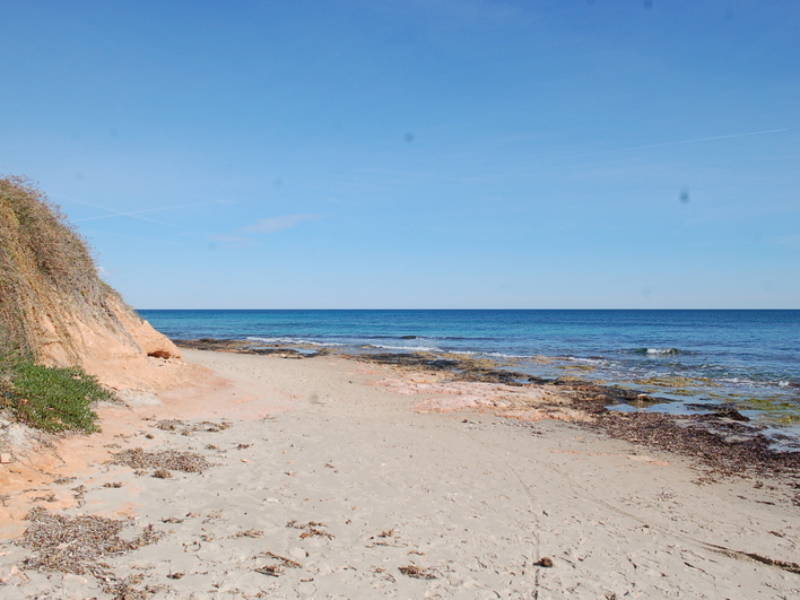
column 53, row 305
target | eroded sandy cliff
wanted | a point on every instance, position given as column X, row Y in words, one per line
column 54, row 306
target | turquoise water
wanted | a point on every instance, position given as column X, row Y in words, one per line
column 749, row 357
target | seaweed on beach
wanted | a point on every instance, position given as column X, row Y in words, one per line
column 79, row 544
column 185, row 428
column 74, row 544
column 310, row 529
column 137, row 458
column 417, row 572
column 278, row 569
column 730, row 448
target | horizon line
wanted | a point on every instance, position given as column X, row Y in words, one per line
column 463, row 309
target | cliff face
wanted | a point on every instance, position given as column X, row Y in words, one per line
column 54, row 306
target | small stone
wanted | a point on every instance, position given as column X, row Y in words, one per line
column 544, row 562
column 5, row 458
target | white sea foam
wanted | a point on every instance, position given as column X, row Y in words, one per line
column 590, row 361
column 281, row 340
column 662, row 351
column 419, row 348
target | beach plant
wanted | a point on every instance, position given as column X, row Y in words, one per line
column 49, row 398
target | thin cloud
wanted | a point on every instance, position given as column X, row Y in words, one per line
column 273, row 224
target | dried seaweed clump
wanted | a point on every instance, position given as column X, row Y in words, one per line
column 185, row 428
column 417, row 572
column 310, row 529
column 729, row 448
column 137, row 458
column 75, row 544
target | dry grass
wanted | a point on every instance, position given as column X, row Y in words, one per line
column 42, row 262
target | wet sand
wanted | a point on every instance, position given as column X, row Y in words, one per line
column 335, row 478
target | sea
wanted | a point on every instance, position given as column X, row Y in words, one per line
column 689, row 358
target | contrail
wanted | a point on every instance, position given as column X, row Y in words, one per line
column 111, row 214
column 134, row 214
column 708, row 139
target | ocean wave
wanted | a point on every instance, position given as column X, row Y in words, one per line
column 583, row 359
column 504, row 355
column 657, row 351
column 413, row 348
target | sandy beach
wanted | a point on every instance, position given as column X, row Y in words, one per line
column 334, row 478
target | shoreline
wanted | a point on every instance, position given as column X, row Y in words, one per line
column 720, row 435
column 773, row 409
column 371, row 449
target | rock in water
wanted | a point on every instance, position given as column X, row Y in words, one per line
column 53, row 304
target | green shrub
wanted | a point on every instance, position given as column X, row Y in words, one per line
column 50, row 398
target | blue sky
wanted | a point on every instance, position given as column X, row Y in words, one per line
column 441, row 153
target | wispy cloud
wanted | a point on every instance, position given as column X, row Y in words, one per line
column 273, row 224
column 246, row 236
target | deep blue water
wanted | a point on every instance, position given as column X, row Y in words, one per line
column 750, row 357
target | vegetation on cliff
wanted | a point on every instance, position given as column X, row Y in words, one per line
column 46, row 272
column 41, row 259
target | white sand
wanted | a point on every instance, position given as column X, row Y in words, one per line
column 474, row 502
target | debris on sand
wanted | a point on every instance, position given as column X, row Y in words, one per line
column 310, row 529
column 728, row 448
column 249, row 533
column 162, row 474
column 64, row 480
column 73, row 544
column 185, row 428
column 137, row 458
column 285, row 562
column 277, row 570
column 417, row 572
column 113, row 484
column 271, row 570
column 545, row 561
column 78, row 544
